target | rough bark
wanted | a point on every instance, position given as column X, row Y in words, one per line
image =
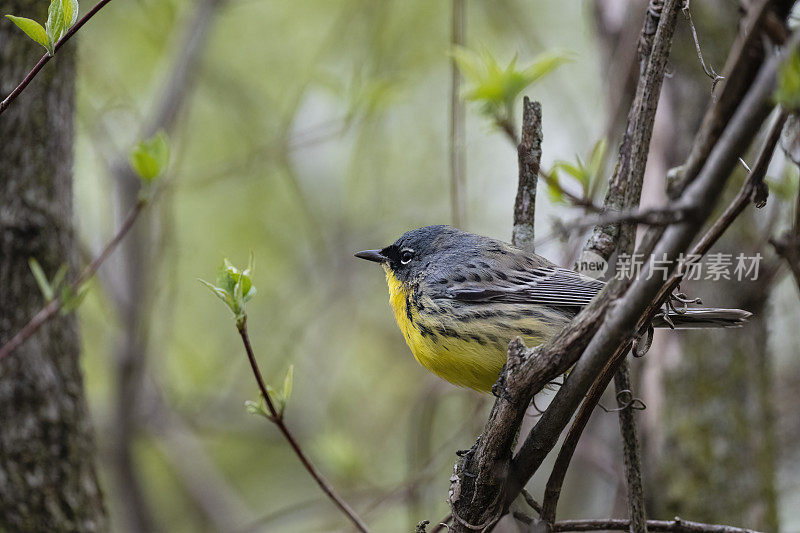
column 48, row 479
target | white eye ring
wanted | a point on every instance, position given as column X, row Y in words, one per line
column 406, row 255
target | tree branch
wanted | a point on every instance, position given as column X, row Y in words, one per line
column 46, row 57
column 631, row 449
column 277, row 419
column 677, row 525
column 625, row 185
column 623, row 318
column 748, row 192
column 751, row 191
column 529, row 157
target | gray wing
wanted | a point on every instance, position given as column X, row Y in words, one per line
column 550, row 286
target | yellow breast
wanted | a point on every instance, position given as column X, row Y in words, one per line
column 468, row 354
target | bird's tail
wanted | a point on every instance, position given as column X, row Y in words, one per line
column 702, row 317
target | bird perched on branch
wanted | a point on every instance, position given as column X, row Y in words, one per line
column 460, row 298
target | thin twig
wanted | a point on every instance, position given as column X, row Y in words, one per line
column 708, row 69
column 677, row 525
column 46, row 57
column 648, row 217
column 277, row 419
column 54, row 306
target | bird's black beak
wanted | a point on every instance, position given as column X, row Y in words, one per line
column 372, row 255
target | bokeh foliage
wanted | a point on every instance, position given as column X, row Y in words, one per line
column 315, row 129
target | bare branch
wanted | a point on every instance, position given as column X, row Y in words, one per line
column 46, row 57
column 751, row 191
column 677, row 525
column 649, row 217
column 708, row 69
column 529, row 157
column 631, row 451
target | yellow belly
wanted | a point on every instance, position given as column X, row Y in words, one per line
column 468, row 354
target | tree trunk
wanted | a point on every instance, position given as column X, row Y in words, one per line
column 48, row 480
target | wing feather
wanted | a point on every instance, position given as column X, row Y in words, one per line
column 538, row 286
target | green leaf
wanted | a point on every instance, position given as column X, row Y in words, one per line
column 252, row 407
column 41, row 279
column 554, row 191
column 258, row 408
column 144, row 164
column 221, row 294
column 544, row 64
column 149, row 158
column 251, row 264
column 238, row 296
column 234, row 287
column 70, row 300
column 59, row 277
column 55, row 25
column 33, row 30
column 498, row 88
column 597, row 156
column 227, row 276
column 249, row 294
column 69, row 9
column 576, row 171
column 288, row 383
column 277, row 399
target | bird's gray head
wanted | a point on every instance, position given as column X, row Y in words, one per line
column 430, row 247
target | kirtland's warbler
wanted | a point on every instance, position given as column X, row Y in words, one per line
column 460, row 298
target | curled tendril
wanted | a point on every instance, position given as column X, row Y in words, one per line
column 626, row 399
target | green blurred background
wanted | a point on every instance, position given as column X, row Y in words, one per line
column 310, row 130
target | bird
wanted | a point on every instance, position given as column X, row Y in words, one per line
column 460, row 298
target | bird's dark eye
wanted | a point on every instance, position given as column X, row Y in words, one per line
column 406, row 256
